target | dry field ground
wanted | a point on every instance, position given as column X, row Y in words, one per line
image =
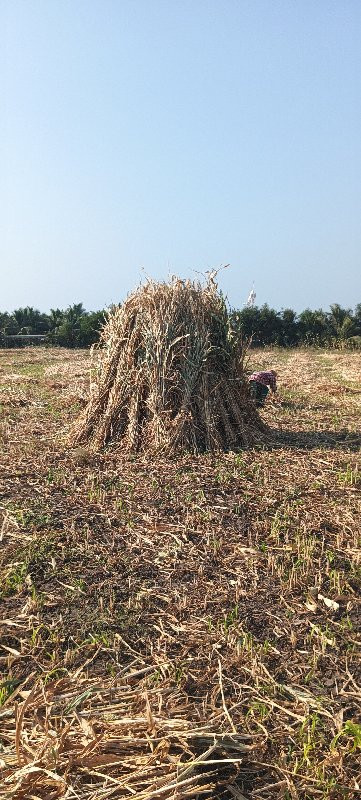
column 187, row 627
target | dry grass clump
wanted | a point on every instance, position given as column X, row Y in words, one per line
column 171, row 374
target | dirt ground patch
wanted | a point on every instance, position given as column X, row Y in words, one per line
column 185, row 627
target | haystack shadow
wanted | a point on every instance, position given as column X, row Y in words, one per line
column 314, row 440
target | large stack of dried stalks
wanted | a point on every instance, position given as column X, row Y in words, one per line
column 170, row 375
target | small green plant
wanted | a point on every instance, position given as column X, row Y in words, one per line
column 15, row 579
column 38, row 598
column 239, row 461
column 346, row 623
column 353, row 731
column 35, row 517
column 34, row 634
column 336, row 582
column 246, row 642
column 259, row 710
column 310, row 736
column 77, row 586
column 56, row 476
column 324, row 637
column 179, row 672
column 230, row 619
column 6, row 689
column 331, row 557
column 350, row 476
column 223, row 476
column 102, row 637
column 276, row 527
column 54, row 674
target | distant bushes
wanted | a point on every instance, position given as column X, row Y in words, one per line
column 76, row 327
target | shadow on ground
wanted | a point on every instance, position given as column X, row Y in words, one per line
column 315, row 440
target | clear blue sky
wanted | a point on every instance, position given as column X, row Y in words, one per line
column 178, row 135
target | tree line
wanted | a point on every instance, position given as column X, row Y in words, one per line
column 338, row 327
column 76, row 327
column 71, row 327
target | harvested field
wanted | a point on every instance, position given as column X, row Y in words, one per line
column 186, row 627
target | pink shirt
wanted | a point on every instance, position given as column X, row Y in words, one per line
column 266, row 378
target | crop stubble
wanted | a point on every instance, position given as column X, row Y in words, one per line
column 187, row 627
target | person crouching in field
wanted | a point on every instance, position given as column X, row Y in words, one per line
column 260, row 383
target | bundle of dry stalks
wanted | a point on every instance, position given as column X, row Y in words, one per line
column 82, row 739
column 171, row 374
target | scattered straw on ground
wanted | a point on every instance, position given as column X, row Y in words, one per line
column 189, row 626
